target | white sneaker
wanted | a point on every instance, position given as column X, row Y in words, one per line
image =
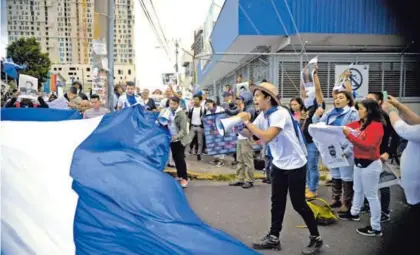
column 184, row 183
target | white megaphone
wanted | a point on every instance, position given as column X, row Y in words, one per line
column 224, row 125
column 163, row 118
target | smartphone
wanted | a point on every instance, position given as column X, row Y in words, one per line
column 385, row 93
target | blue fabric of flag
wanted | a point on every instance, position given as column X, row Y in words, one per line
column 38, row 114
column 127, row 204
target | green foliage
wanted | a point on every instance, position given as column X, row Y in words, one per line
column 28, row 51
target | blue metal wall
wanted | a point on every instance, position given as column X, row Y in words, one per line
column 258, row 17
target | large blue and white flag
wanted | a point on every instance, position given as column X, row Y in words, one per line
column 97, row 186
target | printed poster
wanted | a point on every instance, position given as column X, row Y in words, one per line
column 307, row 78
column 4, row 88
column 28, row 86
column 241, row 87
column 340, row 82
column 329, row 141
column 359, row 78
column 217, row 144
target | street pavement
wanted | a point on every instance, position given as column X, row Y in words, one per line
column 245, row 214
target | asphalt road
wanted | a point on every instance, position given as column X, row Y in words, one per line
column 245, row 214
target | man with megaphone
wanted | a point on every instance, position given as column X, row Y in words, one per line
column 275, row 127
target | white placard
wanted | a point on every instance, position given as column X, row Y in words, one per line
column 4, row 88
column 307, row 78
column 359, row 78
column 242, row 87
column 329, row 141
column 28, row 85
column 99, row 47
column 59, row 103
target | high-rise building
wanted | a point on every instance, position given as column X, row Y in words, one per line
column 64, row 29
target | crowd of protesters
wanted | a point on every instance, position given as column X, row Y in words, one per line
column 380, row 123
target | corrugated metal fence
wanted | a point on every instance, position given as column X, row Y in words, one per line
column 391, row 72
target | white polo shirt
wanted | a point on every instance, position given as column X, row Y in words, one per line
column 285, row 148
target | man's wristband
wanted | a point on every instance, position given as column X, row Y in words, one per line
column 393, row 109
column 246, row 122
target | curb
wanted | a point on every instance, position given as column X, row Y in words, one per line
column 226, row 177
column 212, row 176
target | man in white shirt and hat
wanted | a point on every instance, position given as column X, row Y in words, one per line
column 275, row 127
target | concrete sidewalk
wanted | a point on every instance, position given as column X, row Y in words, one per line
column 204, row 170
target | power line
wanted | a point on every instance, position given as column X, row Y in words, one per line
column 158, row 22
column 152, row 24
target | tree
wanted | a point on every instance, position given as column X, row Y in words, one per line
column 28, row 51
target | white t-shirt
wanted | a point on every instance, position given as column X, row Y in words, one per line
column 196, row 116
column 123, row 102
column 285, row 148
column 410, row 160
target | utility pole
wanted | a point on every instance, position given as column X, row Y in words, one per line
column 110, row 48
column 176, row 55
column 176, row 64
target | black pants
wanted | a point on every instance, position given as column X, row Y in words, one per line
column 178, row 155
column 385, row 199
column 293, row 181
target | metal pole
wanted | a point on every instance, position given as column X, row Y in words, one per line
column 298, row 54
column 110, row 48
column 401, row 75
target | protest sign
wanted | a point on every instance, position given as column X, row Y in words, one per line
column 28, row 86
column 307, row 78
column 340, row 82
column 4, row 88
column 242, row 87
column 217, row 144
column 359, row 78
column 330, row 140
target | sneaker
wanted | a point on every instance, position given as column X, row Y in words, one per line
column 237, row 183
column 266, row 180
column 267, row 242
column 310, row 195
column 368, row 231
column 348, row 216
column 385, row 217
column 247, row 185
column 328, row 183
column 234, row 163
column 171, row 166
column 214, row 162
column 184, row 183
column 315, row 244
column 198, row 157
column 220, row 164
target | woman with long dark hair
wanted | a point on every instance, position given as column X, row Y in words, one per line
column 297, row 107
column 366, row 137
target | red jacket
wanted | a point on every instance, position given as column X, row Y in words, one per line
column 367, row 144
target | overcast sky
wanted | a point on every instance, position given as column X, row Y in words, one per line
column 179, row 19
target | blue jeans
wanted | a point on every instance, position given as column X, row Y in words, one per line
column 312, row 167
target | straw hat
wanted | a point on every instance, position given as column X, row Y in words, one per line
column 268, row 88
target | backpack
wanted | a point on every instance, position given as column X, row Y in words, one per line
column 323, row 213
